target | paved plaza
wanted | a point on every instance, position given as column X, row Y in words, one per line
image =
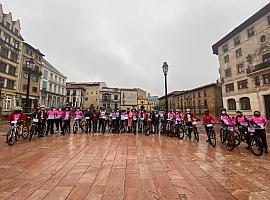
column 129, row 167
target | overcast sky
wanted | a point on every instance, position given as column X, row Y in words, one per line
column 125, row 42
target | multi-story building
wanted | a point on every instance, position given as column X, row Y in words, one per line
column 244, row 58
column 110, row 98
column 142, row 102
column 29, row 53
column 171, row 101
column 197, row 99
column 152, row 101
column 75, row 95
column 10, row 51
column 128, row 99
column 92, row 93
column 52, row 86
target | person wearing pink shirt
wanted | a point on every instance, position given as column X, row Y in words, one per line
column 59, row 119
column 51, row 120
column 226, row 119
column 260, row 132
column 67, row 115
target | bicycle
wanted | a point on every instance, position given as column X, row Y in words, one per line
column 211, row 134
column 148, row 127
column 229, row 137
column 247, row 130
column 192, row 128
column 179, row 128
column 87, row 125
column 16, row 131
column 77, row 124
column 37, row 128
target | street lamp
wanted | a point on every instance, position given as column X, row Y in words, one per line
column 165, row 69
column 1, row 86
column 30, row 64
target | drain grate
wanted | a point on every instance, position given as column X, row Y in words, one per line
column 182, row 196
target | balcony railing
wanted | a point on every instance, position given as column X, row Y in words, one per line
column 259, row 67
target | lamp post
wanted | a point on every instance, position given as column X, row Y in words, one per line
column 29, row 68
column 1, row 103
column 165, row 69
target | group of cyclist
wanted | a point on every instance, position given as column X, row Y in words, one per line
column 133, row 121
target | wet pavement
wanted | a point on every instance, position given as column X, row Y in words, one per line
column 129, row 167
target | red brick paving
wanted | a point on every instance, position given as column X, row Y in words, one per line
column 129, row 167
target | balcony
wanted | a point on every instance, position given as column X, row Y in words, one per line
column 258, row 68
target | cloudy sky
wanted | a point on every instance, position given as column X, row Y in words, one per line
column 125, row 42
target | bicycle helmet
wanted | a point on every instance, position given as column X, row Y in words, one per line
column 188, row 110
column 239, row 111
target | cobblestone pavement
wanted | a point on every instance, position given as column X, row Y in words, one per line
column 129, row 167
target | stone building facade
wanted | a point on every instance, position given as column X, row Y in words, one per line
column 110, row 98
column 92, row 93
column 75, row 95
column 10, row 55
column 201, row 98
column 30, row 54
column 152, row 101
column 171, row 100
column 52, row 86
column 244, row 58
column 142, row 101
column 128, row 99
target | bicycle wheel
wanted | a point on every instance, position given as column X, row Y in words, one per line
column 256, row 146
column 11, row 137
column 196, row 134
column 75, row 128
column 222, row 136
column 25, row 132
column 32, row 132
column 237, row 137
column 229, row 142
column 212, row 137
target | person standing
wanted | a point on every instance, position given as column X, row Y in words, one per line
column 129, row 123
column 88, row 115
column 59, row 119
column 51, row 120
column 67, row 115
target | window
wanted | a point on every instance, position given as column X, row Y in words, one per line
column 268, row 19
column 231, row 104
column 199, row 94
column 68, row 92
column 4, row 52
column 238, row 53
column 86, row 99
column 242, row 84
column 6, row 38
column 229, row 87
column 2, row 81
column 7, row 103
column 106, row 97
column 50, row 87
column 193, row 95
column 10, row 84
column 15, row 44
column 44, row 85
column 13, row 56
column 237, row 41
column 3, row 67
column 115, row 97
column 55, row 78
column 24, row 87
column 266, row 57
column 240, row 68
column 225, row 48
column 257, row 81
column 228, row 72
column 34, row 89
column 74, row 93
column 263, row 38
column 204, row 93
column 45, row 74
column 205, row 104
column 266, row 79
column 35, row 79
column 8, row 25
column 251, row 32
column 12, row 70
column 245, row 103
column 226, row 59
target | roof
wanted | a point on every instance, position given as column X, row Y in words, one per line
column 74, row 87
column 34, row 49
column 262, row 12
column 84, row 83
column 203, row 87
column 172, row 94
column 52, row 68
